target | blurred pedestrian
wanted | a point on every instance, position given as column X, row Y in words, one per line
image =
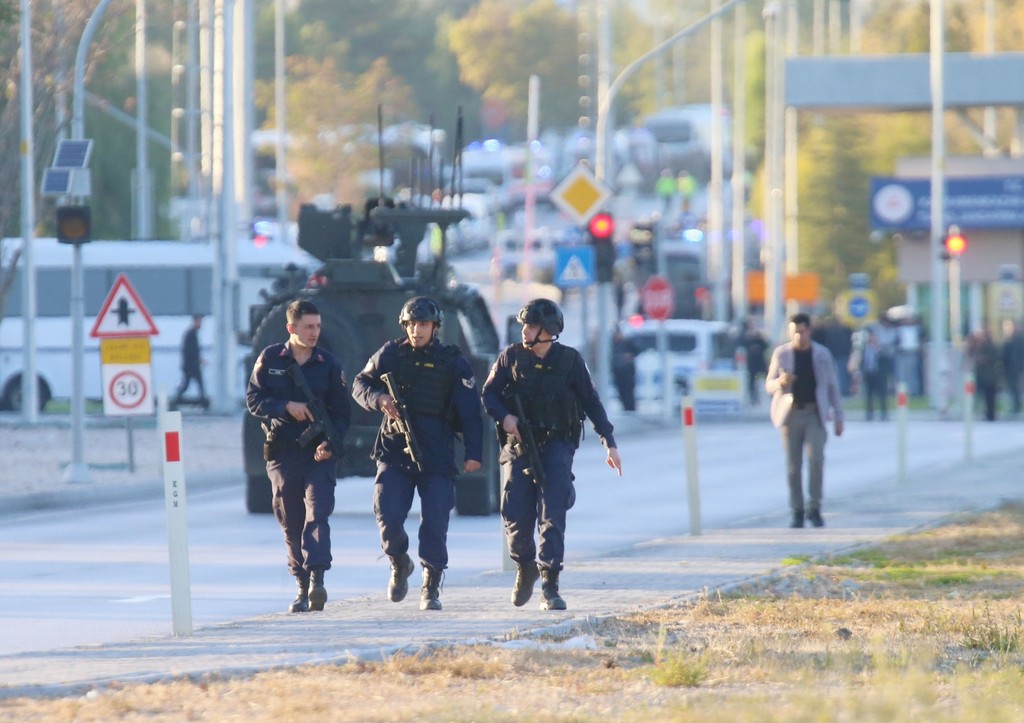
column 1013, row 361
column 874, row 364
column 191, row 364
column 984, row 357
column 755, row 344
column 805, row 395
column 624, row 369
column 686, row 185
column 665, row 190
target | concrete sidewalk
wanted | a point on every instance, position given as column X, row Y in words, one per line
column 654, row 573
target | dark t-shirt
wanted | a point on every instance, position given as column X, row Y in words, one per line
column 804, row 388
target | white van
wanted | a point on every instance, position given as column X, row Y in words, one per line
column 694, row 346
column 174, row 280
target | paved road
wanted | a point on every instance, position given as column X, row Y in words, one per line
column 628, row 547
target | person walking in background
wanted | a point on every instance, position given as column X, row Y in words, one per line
column 874, row 365
column 985, row 360
column 756, row 346
column 438, row 393
column 686, row 185
column 665, row 190
column 624, row 369
column 1012, row 354
column 303, row 477
column 191, row 364
column 805, row 395
column 541, row 390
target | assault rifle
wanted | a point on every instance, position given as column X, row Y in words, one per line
column 321, row 424
column 536, row 469
column 404, row 422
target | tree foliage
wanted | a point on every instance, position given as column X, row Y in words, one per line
column 500, row 44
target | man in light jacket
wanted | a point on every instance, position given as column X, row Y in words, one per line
column 805, row 396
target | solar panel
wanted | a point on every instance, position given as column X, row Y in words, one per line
column 73, row 154
column 56, row 182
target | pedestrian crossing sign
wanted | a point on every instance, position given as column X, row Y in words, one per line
column 574, row 266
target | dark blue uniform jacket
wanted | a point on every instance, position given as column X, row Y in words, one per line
column 579, row 382
column 435, row 434
column 270, row 389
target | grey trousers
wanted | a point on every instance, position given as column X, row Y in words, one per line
column 803, row 430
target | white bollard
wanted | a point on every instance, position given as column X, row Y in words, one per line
column 177, row 522
column 690, row 450
column 968, row 416
column 901, row 432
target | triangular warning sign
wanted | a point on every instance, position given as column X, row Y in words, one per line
column 574, row 272
column 123, row 313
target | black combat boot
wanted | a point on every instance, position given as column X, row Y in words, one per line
column 526, row 575
column 317, row 591
column 398, row 586
column 301, row 602
column 549, row 588
column 431, row 592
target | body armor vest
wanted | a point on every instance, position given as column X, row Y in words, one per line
column 543, row 387
column 426, row 378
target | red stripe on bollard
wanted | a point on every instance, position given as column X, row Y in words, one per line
column 688, row 416
column 901, row 399
column 173, row 447
column 969, row 387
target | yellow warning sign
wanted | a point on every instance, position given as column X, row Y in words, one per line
column 580, row 195
column 125, row 350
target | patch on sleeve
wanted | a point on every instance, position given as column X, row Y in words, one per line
column 468, row 383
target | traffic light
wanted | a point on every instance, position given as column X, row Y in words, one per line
column 601, row 235
column 74, row 225
column 955, row 243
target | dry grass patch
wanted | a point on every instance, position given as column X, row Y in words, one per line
column 926, row 626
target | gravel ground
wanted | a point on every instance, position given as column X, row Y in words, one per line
column 34, row 457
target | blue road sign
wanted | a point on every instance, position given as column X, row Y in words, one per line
column 859, row 306
column 574, row 266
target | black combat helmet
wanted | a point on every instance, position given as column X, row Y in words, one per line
column 544, row 313
column 421, row 308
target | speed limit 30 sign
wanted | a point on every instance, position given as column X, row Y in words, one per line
column 127, row 376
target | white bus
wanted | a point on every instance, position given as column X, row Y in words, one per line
column 174, row 281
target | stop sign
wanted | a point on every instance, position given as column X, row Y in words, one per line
column 657, row 298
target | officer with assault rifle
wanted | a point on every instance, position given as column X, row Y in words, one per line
column 539, row 392
column 427, row 394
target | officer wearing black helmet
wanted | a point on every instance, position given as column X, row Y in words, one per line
column 556, row 392
column 436, row 385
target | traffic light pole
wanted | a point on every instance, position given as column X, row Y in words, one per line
column 78, row 471
column 955, row 323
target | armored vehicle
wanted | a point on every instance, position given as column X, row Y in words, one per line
column 359, row 300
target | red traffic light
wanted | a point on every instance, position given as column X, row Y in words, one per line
column 601, row 226
column 956, row 244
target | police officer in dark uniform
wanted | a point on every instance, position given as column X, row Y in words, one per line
column 555, row 390
column 303, row 477
column 436, row 387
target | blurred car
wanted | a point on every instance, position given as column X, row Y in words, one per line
column 508, row 254
column 693, row 346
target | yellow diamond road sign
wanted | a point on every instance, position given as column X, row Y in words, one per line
column 580, row 195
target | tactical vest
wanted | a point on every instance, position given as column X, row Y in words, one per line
column 543, row 387
column 426, row 377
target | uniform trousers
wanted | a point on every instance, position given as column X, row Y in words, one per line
column 802, row 431
column 303, row 502
column 526, row 505
column 392, row 499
